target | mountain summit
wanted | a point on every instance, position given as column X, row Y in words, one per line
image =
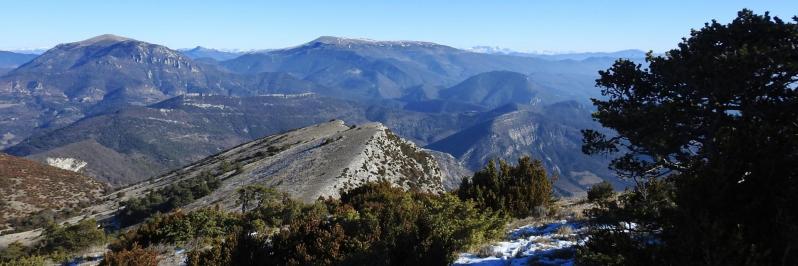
column 332, row 40
column 104, row 73
column 105, row 38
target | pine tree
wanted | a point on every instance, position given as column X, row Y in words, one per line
column 708, row 133
column 513, row 189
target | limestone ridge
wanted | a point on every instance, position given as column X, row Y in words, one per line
column 316, row 161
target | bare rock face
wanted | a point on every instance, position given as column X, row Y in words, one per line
column 316, row 161
column 551, row 135
column 453, row 170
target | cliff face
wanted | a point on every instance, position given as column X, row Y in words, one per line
column 551, row 135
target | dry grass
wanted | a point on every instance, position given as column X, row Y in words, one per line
column 543, row 240
column 564, row 230
column 27, row 187
column 488, row 251
column 571, row 209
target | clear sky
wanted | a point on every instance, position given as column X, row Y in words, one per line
column 559, row 26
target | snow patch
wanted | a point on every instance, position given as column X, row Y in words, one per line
column 354, row 72
column 296, row 95
column 168, row 121
column 7, row 138
column 207, row 105
column 70, row 164
column 543, row 244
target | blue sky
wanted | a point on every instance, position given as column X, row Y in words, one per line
column 559, row 26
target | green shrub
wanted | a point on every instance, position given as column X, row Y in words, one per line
column 516, row 190
column 72, row 238
column 36, row 220
column 13, row 251
column 600, row 193
column 373, row 224
column 179, row 228
column 254, row 196
column 167, row 199
column 25, row 261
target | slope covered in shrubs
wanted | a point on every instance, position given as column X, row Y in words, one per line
column 375, row 223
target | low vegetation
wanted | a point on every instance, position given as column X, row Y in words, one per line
column 33, row 195
column 600, row 193
column 135, row 256
column 72, row 238
column 375, row 223
column 58, row 244
column 518, row 190
column 168, row 198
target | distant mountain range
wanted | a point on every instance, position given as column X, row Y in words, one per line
column 132, row 109
column 628, row 54
column 107, row 73
column 389, row 69
column 11, row 60
column 218, row 55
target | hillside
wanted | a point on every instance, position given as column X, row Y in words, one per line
column 318, row 161
column 311, row 162
column 371, row 69
column 497, row 88
column 551, row 135
column 106, row 73
column 11, row 60
column 308, row 163
column 134, row 143
column 132, row 110
column 28, row 187
column 139, row 142
column 72, row 80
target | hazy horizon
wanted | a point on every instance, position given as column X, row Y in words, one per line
column 39, row 50
column 253, row 25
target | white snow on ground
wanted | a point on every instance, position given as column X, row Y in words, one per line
column 70, row 164
column 542, row 244
column 168, row 121
column 206, row 105
column 6, row 138
column 296, row 95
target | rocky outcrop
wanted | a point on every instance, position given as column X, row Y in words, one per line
column 317, row 161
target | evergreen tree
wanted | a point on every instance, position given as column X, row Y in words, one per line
column 253, row 196
column 516, row 190
column 709, row 133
